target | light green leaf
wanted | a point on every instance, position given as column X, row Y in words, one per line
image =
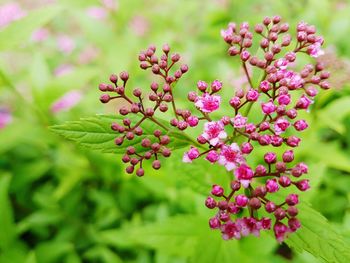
column 319, row 238
column 96, row 133
column 19, row 31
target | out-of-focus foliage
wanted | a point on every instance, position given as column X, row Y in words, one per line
column 63, row 203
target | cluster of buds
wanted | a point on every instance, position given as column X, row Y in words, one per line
column 159, row 96
column 230, row 140
column 251, row 188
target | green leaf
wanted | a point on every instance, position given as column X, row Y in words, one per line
column 19, row 31
column 96, row 133
column 8, row 231
column 318, row 237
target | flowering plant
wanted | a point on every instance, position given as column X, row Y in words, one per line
column 282, row 90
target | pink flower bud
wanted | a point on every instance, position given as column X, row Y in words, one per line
column 217, row 190
column 270, row 157
column 191, row 155
column 303, row 185
column 300, row 125
column 210, row 202
column 246, row 148
column 252, row 95
column 272, row 185
column 192, row 121
column 216, row 85
column 268, row 107
column 212, row 156
column 241, row 200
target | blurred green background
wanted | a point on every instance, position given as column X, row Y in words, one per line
column 63, row 203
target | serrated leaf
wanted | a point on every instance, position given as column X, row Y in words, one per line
column 319, row 238
column 96, row 133
column 19, row 31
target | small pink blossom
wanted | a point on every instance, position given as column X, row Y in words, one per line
column 281, row 125
column 239, row 121
column 67, row 101
column 300, row 125
column 96, row 12
column 281, row 63
column 5, row 118
column 214, row 132
column 230, row 156
column 63, row 70
column 10, row 12
column 191, row 155
column 208, row 103
column 139, row 25
column 280, row 231
column 65, row 44
column 272, row 185
column 315, row 50
column 244, row 174
column 40, row 35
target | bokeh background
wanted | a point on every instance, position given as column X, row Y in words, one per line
column 62, row 203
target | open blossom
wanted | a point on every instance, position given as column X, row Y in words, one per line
column 230, row 156
column 214, row 132
column 67, row 101
column 244, row 174
column 208, row 103
column 189, row 156
column 10, row 12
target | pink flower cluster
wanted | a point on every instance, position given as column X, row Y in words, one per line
column 238, row 207
column 229, row 139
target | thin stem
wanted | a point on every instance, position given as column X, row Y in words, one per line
column 247, row 74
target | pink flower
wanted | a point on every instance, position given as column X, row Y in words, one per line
column 294, row 80
column 214, row 132
column 208, row 103
column 239, row 121
column 281, row 231
column 40, row 35
column 191, row 155
column 281, row 63
column 244, row 174
column 315, row 50
column 63, row 70
column 67, row 101
column 65, row 44
column 10, row 12
column 268, row 107
column 281, row 125
column 139, row 25
column 230, row 230
column 97, row 12
column 5, row 118
column 230, row 156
